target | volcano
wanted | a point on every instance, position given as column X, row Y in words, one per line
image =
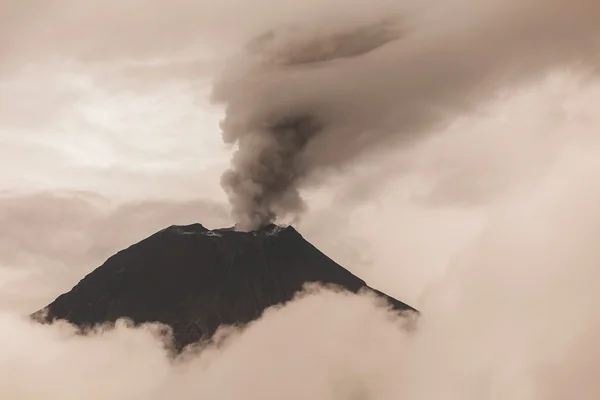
column 196, row 280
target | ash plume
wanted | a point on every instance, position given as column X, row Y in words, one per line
column 268, row 167
column 300, row 100
column 265, row 186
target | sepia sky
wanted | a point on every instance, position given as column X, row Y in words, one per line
column 486, row 220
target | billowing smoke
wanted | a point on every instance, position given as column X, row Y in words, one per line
column 268, row 179
column 306, row 99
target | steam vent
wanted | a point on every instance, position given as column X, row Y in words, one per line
column 195, row 280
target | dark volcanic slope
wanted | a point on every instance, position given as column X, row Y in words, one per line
column 195, row 280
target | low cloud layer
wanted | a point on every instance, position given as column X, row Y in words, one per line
column 260, row 362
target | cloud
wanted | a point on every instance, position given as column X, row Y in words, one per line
column 95, row 32
column 349, row 353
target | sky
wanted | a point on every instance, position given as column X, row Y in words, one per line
column 487, row 223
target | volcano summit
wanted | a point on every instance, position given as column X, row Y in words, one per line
column 195, row 280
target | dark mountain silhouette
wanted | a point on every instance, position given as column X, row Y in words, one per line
column 195, row 280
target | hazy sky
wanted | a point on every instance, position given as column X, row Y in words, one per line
column 62, row 128
column 488, row 223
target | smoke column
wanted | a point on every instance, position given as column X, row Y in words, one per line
column 305, row 99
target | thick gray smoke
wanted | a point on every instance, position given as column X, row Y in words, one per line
column 267, row 179
column 300, row 100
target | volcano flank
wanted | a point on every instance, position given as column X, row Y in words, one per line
column 196, row 280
